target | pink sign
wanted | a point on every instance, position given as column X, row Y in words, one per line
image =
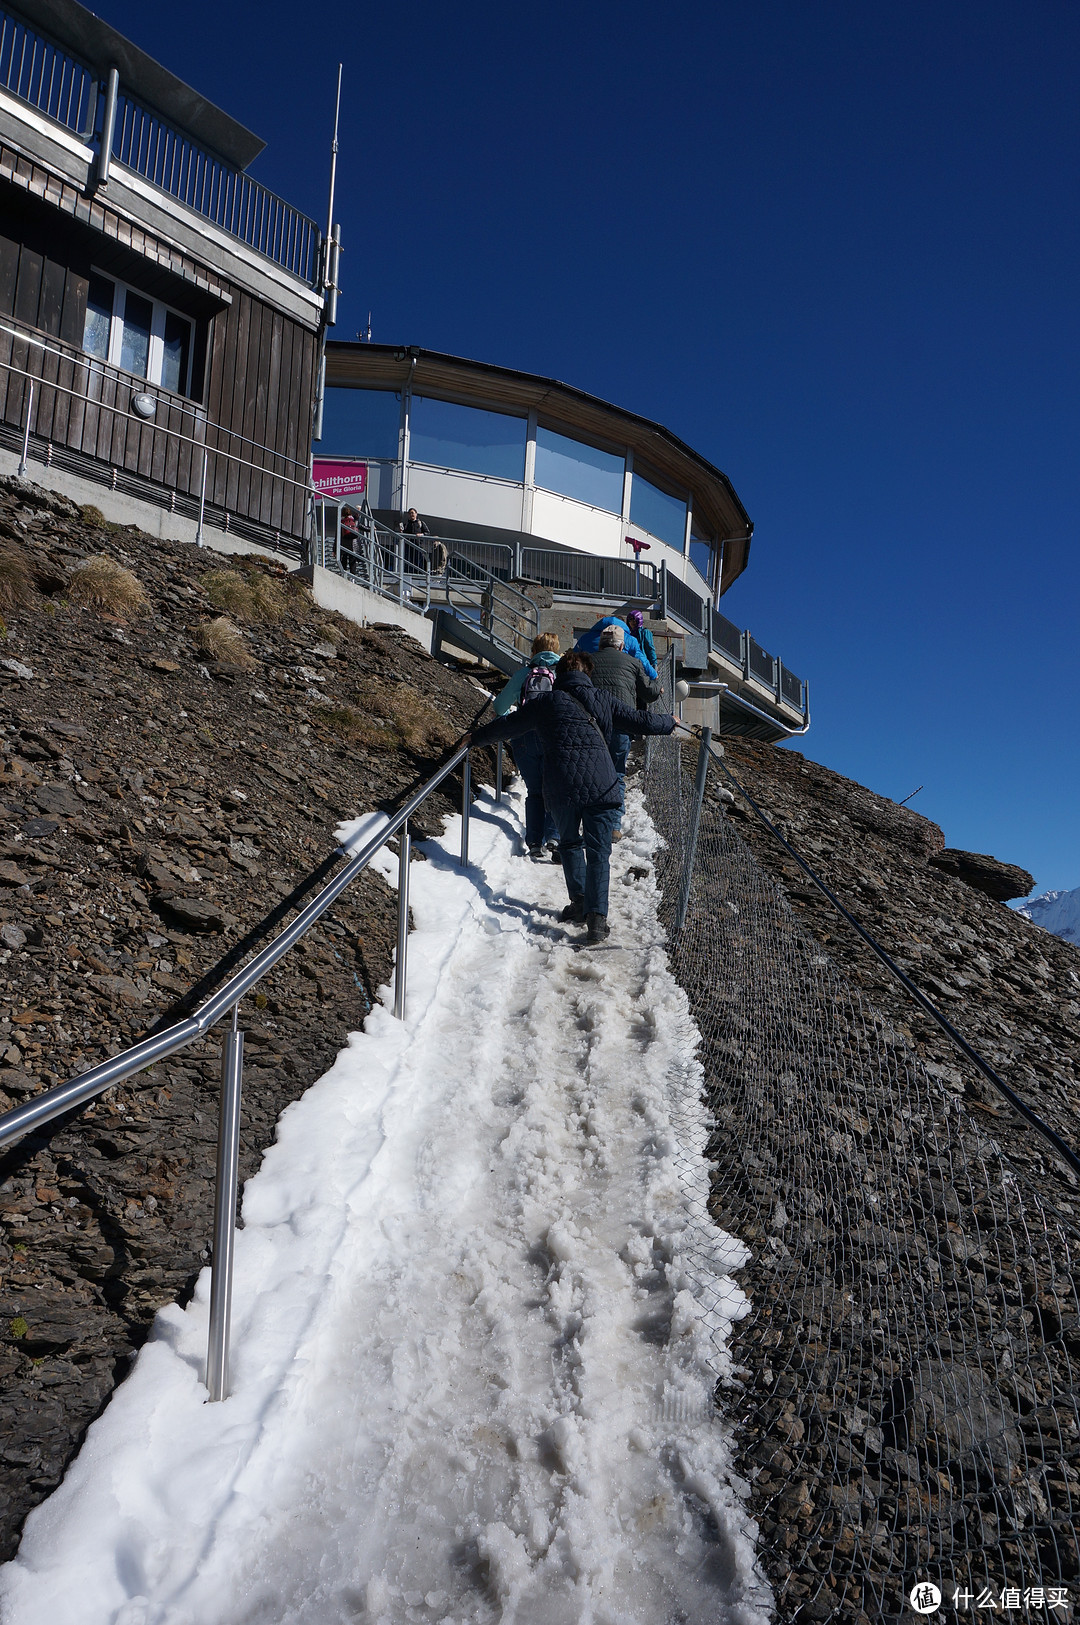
column 339, row 479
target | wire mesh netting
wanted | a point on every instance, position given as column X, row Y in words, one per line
column 905, row 1411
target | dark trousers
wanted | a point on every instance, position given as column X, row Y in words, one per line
column 540, row 823
column 620, row 750
column 585, row 848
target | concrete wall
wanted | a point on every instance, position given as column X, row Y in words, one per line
column 357, row 604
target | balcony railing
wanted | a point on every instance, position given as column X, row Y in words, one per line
column 42, row 74
column 57, row 84
column 167, row 158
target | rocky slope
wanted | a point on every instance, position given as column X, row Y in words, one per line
column 180, row 737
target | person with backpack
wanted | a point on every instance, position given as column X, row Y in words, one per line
column 531, row 682
column 575, row 723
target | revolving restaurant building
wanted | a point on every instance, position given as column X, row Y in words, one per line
column 490, row 455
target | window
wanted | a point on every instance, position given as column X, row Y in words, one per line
column 360, row 422
column 702, row 553
column 577, row 470
column 139, row 334
column 99, row 309
column 657, row 512
column 466, row 437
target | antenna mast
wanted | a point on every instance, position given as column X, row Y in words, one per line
column 331, row 257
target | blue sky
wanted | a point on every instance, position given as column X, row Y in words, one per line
column 833, row 245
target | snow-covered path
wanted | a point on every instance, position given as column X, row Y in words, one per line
column 471, row 1380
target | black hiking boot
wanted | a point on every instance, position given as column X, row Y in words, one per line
column 574, row 912
column 598, row 928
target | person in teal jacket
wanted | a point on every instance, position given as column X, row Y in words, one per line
column 535, row 678
column 589, row 642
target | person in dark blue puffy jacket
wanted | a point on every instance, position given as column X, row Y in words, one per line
column 575, row 723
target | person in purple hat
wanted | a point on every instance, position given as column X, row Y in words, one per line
column 637, row 626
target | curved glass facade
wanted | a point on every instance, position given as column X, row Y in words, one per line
column 573, row 469
column 360, row 423
column 657, row 512
column 468, row 438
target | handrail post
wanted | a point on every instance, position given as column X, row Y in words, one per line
column 401, row 969
column 499, row 771
column 26, row 433
column 695, row 820
column 232, row 1073
column 466, row 796
column 202, row 499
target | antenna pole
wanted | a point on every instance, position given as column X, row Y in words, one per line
column 333, row 175
column 331, row 253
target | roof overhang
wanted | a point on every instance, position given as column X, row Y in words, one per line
column 480, row 383
column 101, row 48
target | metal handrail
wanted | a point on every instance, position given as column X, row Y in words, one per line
column 140, row 425
column 66, row 1097
column 178, row 403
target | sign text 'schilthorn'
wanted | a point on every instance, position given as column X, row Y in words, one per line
column 339, row 479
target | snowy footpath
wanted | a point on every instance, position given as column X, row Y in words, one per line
column 472, row 1375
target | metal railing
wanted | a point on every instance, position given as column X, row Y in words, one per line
column 403, row 568
column 146, row 144
column 590, row 574
column 684, row 603
column 170, row 465
column 224, row 1004
column 50, row 79
column 40, row 73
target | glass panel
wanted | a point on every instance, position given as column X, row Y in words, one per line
column 135, row 344
column 466, row 437
column 701, row 556
column 661, row 515
column 177, row 347
column 576, row 470
column 99, row 308
column 360, row 422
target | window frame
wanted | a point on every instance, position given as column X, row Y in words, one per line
column 156, row 347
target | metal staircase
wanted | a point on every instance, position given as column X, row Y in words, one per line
column 475, row 611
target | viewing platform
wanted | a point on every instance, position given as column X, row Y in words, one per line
column 581, row 506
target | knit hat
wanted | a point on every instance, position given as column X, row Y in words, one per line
column 636, row 619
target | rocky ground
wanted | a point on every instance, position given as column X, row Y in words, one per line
column 178, row 740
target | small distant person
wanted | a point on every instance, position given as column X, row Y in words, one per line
column 644, row 636
column 533, row 681
column 589, row 642
column 414, row 526
column 575, row 723
column 350, row 525
column 623, row 677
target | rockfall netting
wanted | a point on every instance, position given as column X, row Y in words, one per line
column 905, row 1409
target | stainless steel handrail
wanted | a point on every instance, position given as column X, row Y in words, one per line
column 178, row 403
column 66, row 1097
column 144, row 426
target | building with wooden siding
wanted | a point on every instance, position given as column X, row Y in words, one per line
column 160, row 311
